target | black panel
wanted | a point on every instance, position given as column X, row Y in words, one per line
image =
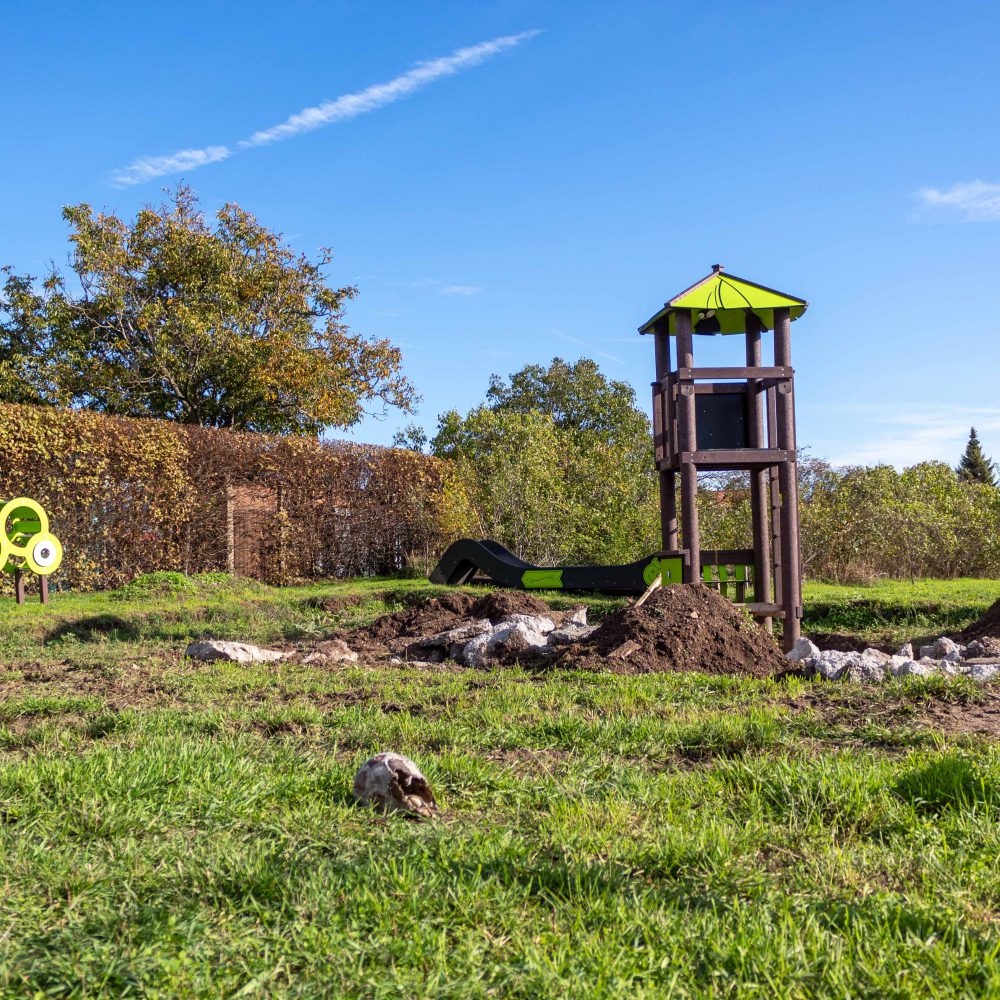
column 722, row 421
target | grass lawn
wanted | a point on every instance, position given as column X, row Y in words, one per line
column 171, row 829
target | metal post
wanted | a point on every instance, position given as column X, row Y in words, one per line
column 788, row 482
column 687, row 434
column 43, row 589
column 759, row 477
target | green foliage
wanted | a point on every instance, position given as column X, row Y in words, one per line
column 558, row 465
column 218, row 325
column 975, row 467
column 25, row 343
column 861, row 523
column 578, row 397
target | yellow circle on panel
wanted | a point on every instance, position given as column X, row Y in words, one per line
column 44, row 554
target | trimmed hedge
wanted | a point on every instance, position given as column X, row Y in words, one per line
column 128, row 497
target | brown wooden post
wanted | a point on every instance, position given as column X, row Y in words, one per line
column 788, row 482
column 43, row 589
column 19, row 584
column 758, row 478
column 668, row 481
column 687, row 435
column 772, row 473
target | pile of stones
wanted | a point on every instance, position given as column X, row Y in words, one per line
column 517, row 637
column 944, row 656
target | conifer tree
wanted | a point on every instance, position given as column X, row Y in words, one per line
column 975, row 467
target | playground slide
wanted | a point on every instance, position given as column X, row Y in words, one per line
column 466, row 559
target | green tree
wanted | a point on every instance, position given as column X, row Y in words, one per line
column 578, row 398
column 219, row 324
column 589, row 453
column 412, row 438
column 24, row 343
column 974, row 466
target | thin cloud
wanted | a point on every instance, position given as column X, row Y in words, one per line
column 378, row 96
column 146, row 168
column 340, row 109
column 971, row 201
column 926, row 433
column 443, row 287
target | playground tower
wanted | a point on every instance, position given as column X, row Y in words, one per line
column 732, row 418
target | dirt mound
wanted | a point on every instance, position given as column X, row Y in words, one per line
column 504, row 603
column 988, row 627
column 680, row 628
column 428, row 618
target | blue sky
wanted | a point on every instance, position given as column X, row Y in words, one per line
column 553, row 171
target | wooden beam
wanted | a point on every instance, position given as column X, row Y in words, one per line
column 737, row 458
column 763, row 609
column 788, row 484
column 758, row 477
column 687, row 442
column 687, row 373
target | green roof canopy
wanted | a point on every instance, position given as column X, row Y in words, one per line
column 720, row 302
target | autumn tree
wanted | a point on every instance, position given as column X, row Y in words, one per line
column 215, row 323
column 974, row 466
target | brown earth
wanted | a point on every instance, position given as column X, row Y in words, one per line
column 680, row 628
column 987, row 628
column 439, row 614
column 859, row 707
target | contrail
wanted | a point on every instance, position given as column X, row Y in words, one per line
column 340, row 109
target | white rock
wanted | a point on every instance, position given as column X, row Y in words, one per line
column 476, row 651
column 829, row 664
column 974, row 649
column 233, row 652
column 569, row 634
column 876, row 655
column 515, row 639
column 927, row 652
column 535, row 623
column 393, row 783
column 864, row 668
column 955, row 656
column 905, row 651
column 944, row 647
column 803, row 650
column 478, row 626
column 982, row 671
column 576, row 616
column 336, row 651
column 913, row 668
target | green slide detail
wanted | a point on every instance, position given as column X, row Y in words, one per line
column 467, row 560
column 670, row 569
column 542, row 579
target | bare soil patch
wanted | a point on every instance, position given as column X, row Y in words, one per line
column 680, row 628
column 986, row 630
column 438, row 614
column 979, row 718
